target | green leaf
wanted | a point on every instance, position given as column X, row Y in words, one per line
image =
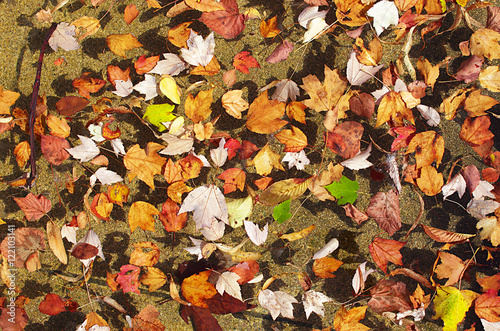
column 239, row 210
column 282, row 211
column 451, row 304
column 155, row 114
column 345, row 190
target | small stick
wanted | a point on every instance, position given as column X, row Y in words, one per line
column 32, row 116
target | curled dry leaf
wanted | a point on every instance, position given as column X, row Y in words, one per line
column 444, row 236
column 298, row 235
column 55, row 242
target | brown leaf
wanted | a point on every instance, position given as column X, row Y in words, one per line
column 264, row 115
column 444, row 236
column 345, row 139
column 362, row 105
column 278, row 192
column 299, row 234
column 227, row 22
column 33, row 206
column 70, row 105
column 490, row 283
column 54, row 149
column 27, row 242
column 324, row 267
column 354, row 213
column 450, row 105
column 389, row 296
column 147, row 319
column 212, row 68
column 384, row 208
column 487, row 307
column 386, row 250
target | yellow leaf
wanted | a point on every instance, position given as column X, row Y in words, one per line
column 327, row 95
column 324, row 267
column 264, row 115
column 22, row 153
column 7, row 99
column 58, row 126
column 490, row 229
column 430, row 181
column 198, row 108
column 168, row 87
column 484, row 42
column 119, row 43
column 154, row 278
column 88, row 24
column 278, row 192
column 393, row 107
column 295, row 140
column 451, row 304
column 349, row 320
column 234, row 103
column 430, row 73
column 141, row 215
column 265, row 160
column 269, row 28
column 145, row 254
column 144, row 163
column 205, row 5
column 298, row 235
column 489, row 78
column 55, row 242
column 476, row 104
column 428, row 147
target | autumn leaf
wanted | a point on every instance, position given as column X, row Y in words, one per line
column 86, row 26
column 430, row 181
column 70, row 105
column 54, row 149
column 33, row 206
column 484, row 42
column 196, row 289
column 179, row 35
column 234, row 103
column 392, row 107
column 264, row 115
column 7, row 99
column 229, row 22
column 429, row 72
column 170, row 217
column 490, row 78
column 327, row 95
column 451, row 267
column 370, row 56
column 428, row 147
column 345, row 139
column 324, row 267
column 28, row 241
column 299, row 234
column 386, row 250
column 476, row 132
column 445, row 236
column 349, row 320
column 119, row 43
column 389, row 296
column 295, row 111
column 490, row 229
column 487, row 306
column 130, row 13
column 198, row 108
column 476, row 104
column 154, row 278
column 207, row 204
column 118, row 193
column 144, row 163
column 351, row 12
column 451, row 304
column 265, row 161
column 234, row 178
column 384, row 208
column 145, row 254
column 141, row 215
column 295, row 140
column 86, row 84
column 128, row 278
column 52, row 305
column 101, row 207
column 243, row 61
column 246, row 270
column 58, row 126
column 22, row 153
column 288, row 189
column 147, row 319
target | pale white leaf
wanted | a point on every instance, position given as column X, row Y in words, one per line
column 69, row 232
column 176, row 145
column 392, row 169
column 359, row 161
column 286, row 89
column 483, row 189
column 86, row 151
column 197, row 248
column 456, row 184
column 207, row 203
column 202, row 158
column 313, row 302
column 219, row 155
column 257, row 236
column 96, row 132
column 297, row 159
column 105, row 176
column 172, row 65
column 418, row 315
column 480, row 208
column 384, row 14
column 147, row 87
column 215, row 231
column 83, row 327
column 490, row 326
column 199, row 51
column 256, row 279
column 359, row 279
column 309, row 13
column 64, row 37
column 239, row 210
column 118, row 147
column 123, row 88
column 277, row 303
column 228, row 282
column 314, row 29
column 378, row 94
column 331, row 246
column 358, row 73
column 430, row 114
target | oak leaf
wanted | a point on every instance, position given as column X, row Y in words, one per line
column 119, row 43
column 265, row 161
column 386, row 250
column 324, row 267
column 198, row 108
column 327, row 95
column 384, row 208
column 392, row 107
column 264, row 115
column 33, row 206
column 144, row 163
column 428, row 147
column 196, row 289
column 295, row 140
column 141, row 215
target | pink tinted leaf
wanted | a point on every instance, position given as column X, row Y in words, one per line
column 281, row 52
column 228, row 23
column 384, row 208
column 469, row 69
column 34, row 206
column 128, row 278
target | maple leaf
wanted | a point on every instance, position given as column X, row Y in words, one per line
column 128, row 278
column 234, row 103
column 239, row 210
column 58, row 126
column 295, row 140
column 313, row 302
column 384, row 208
column 430, row 73
column 147, row 319
column 429, row 180
column 86, row 26
column 86, row 84
column 490, row 229
column 28, row 241
column 201, row 318
column 229, row 23
column 277, row 303
column 63, row 37
column 119, row 43
column 33, row 206
column 199, row 51
column 349, row 320
column 298, row 160
column 22, row 153
column 207, row 204
column 234, row 178
column 327, row 95
column 451, row 304
column 451, row 267
column 325, row 266
column 198, row 109
column 358, row 73
column 154, row 278
column 345, row 190
column 145, row 254
column 246, row 270
column 228, row 283
column 172, row 65
column 269, row 28
column 265, row 160
column 170, row 217
column 476, row 132
column 243, row 61
column 118, row 193
column 196, row 289
column 147, row 87
column 141, row 215
column 388, row 296
column 54, row 149
column 385, row 250
column 256, row 235
column 487, row 306
column 429, row 147
column 476, row 104
column 86, row 151
column 351, row 12
column 490, row 78
column 264, row 115
column 144, row 163
column 384, row 14
column 392, row 107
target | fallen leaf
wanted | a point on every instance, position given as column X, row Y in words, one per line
column 33, row 206
column 198, row 108
column 384, row 13
column 86, row 26
column 144, row 163
column 288, row 189
column 246, row 270
column 70, row 105
column 484, row 42
column 362, row 105
column 28, row 241
column 351, row 12
column 490, row 229
column 145, row 254
column 243, row 61
column 207, row 204
column 389, row 296
column 118, row 193
column 487, row 306
column 86, row 84
column 386, row 250
column 147, row 319
column 444, row 236
column 384, row 208
column 331, row 246
column 490, row 78
column 490, row 283
column 281, row 52
column 327, row 95
column 392, row 107
column 476, row 132
column 324, row 267
column 313, row 302
column 428, row 147
column 86, row 151
column 22, row 153
column 141, row 215
column 281, row 212
column 119, row 43
column 55, row 242
column 172, row 65
column 171, row 219
column 358, row 73
column 349, row 320
column 239, row 210
column 229, row 23
column 130, row 13
column 196, row 289
column 354, row 213
column 52, row 305
column 265, row 161
column 58, row 126
column 299, row 234
column 128, row 278
column 277, row 303
column 228, row 283
column 200, row 317
column 429, row 72
column 154, row 278
column 345, row 190
column 451, row 267
column 430, row 181
column 234, row 178
column 469, row 70
column 54, row 149
column 63, row 37
column 451, row 304
column 370, row 56
column 295, row 140
column 359, row 279
column 234, row 103
column 264, row 115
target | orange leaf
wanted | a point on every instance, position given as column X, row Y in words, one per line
column 177, row 189
column 451, row 267
column 371, row 56
column 450, row 105
column 476, row 132
column 172, row 221
column 263, row 182
column 490, row 283
column 198, row 109
column 22, row 153
column 58, row 126
column 430, row 73
column 430, row 181
column 115, row 73
column 101, row 207
column 7, row 99
column 154, row 278
column 145, row 254
column 191, row 166
column 392, row 107
column 386, row 250
column 119, row 43
column 265, row 160
column 487, row 306
column 243, row 61
column 180, row 34
column 246, row 270
column 351, row 12
column 327, row 95
column 145, row 64
column 324, row 267
column 141, row 215
column 212, row 68
column 444, row 236
column 234, row 178
column 144, row 164
column 118, row 193
column 264, row 115
column 476, row 104
column 196, row 289
column 349, row 320
column 295, row 111
column 34, row 206
column 172, row 171
column 428, row 146
column 269, row 28
column 205, row 5
column 295, row 140
column 345, row 139
column 86, row 84
column 130, row 13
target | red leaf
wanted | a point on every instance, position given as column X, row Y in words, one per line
column 226, row 304
column 243, row 61
column 169, row 217
column 389, row 296
column 247, row 149
column 469, row 69
column 351, row 133
column 144, row 64
column 53, row 149
column 34, row 206
column 70, row 105
column 84, row 251
column 20, row 318
column 52, row 305
column 385, row 250
column 384, row 208
column 228, row 23
column 246, row 270
column 201, row 317
column 86, row 84
column 233, row 146
column 404, row 135
column 234, row 178
column 128, row 278
column 281, row 52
